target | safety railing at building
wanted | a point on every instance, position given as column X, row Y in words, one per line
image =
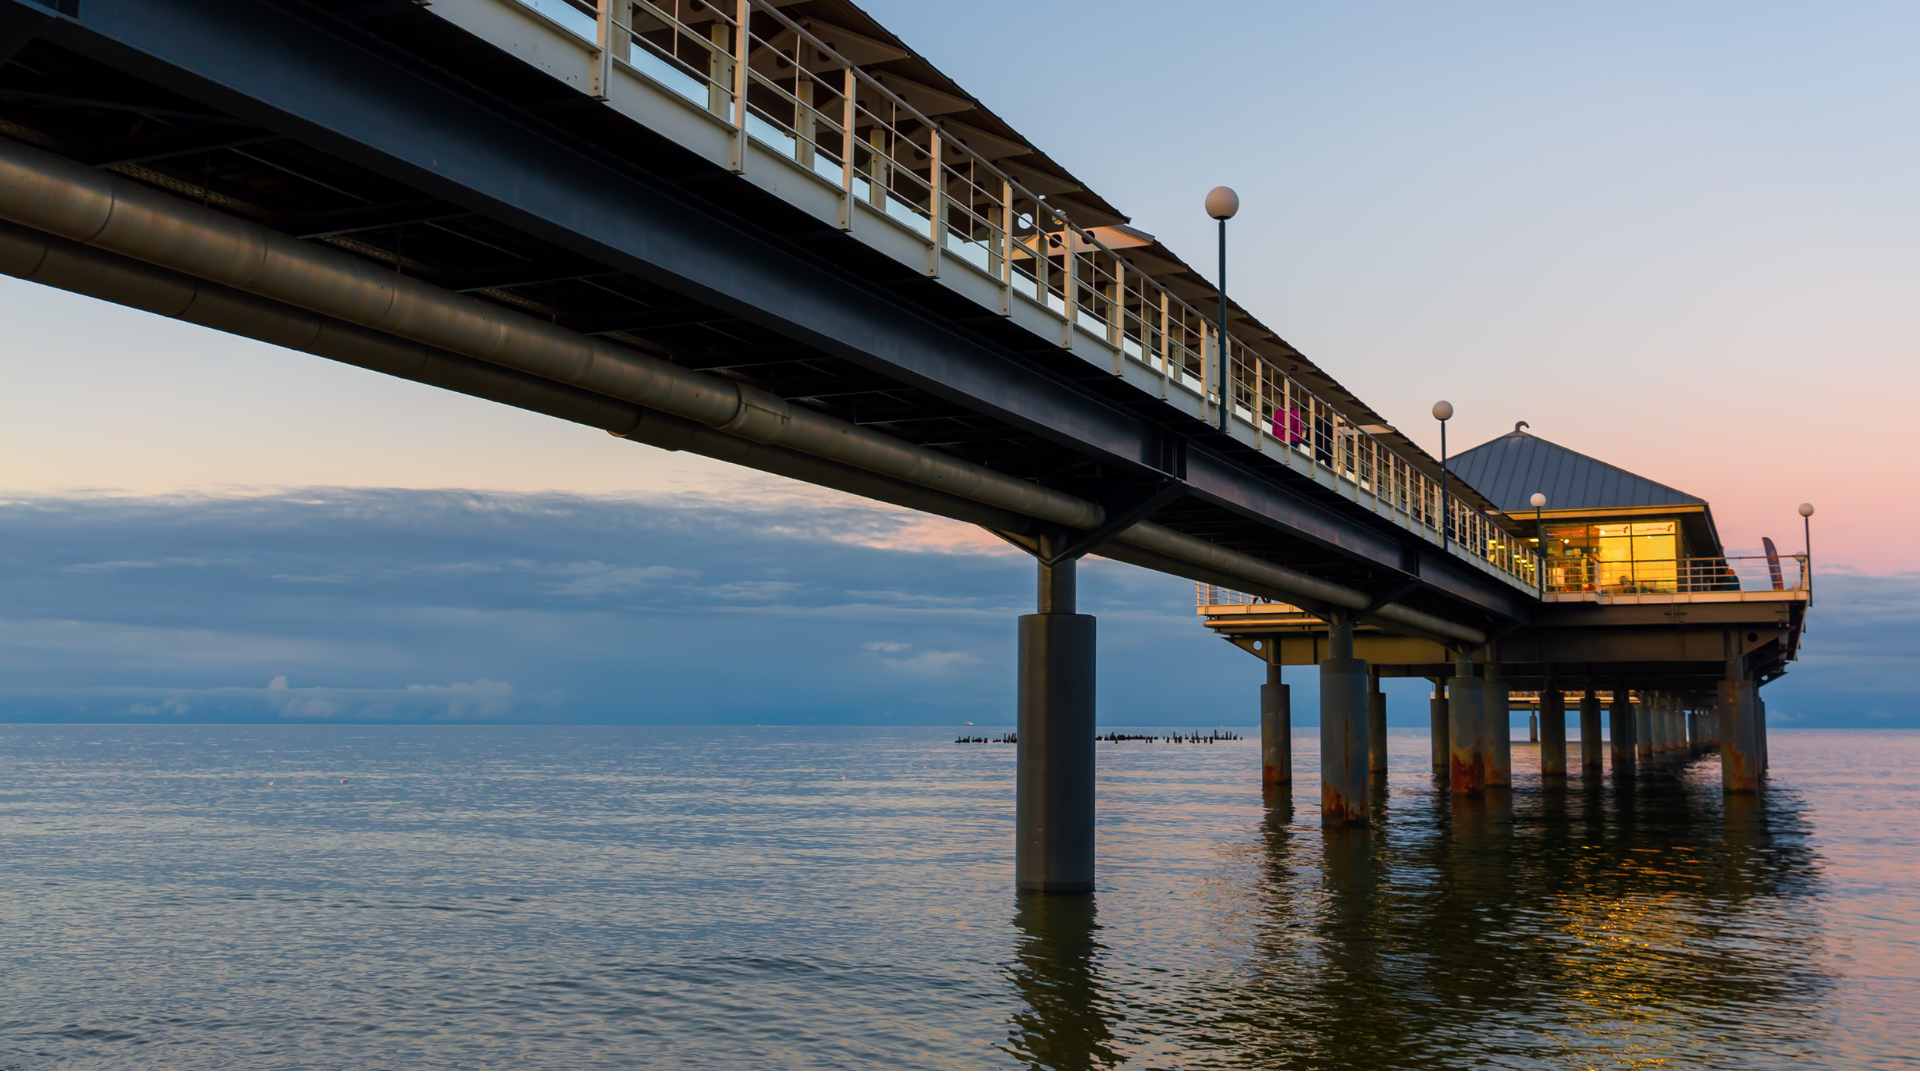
column 1206, row 596
column 769, row 79
column 1725, row 574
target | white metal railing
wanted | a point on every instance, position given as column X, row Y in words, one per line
column 768, row 79
column 1724, row 574
column 1731, row 577
column 1205, row 596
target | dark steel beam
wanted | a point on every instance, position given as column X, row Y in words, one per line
column 268, row 64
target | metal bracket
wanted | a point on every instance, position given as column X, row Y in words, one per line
column 1118, row 521
column 1397, row 593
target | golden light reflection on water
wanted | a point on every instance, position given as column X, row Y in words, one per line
column 771, row 897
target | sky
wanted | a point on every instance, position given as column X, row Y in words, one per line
column 1680, row 239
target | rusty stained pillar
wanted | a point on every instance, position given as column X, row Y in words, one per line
column 1553, row 731
column 1466, row 756
column 1740, row 768
column 1437, row 729
column 1589, row 731
column 1620, row 729
column 1376, row 725
column 1343, row 732
column 1276, row 724
column 1496, row 731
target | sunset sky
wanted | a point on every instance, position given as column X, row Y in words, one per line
column 1680, row 239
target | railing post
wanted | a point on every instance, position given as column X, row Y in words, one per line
column 1042, row 256
column 720, row 70
column 600, row 69
column 806, row 129
column 1166, row 350
column 1070, row 285
column 936, row 204
column 1006, row 246
column 1259, row 395
column 742, row 40
column 880, row 171
column 848, row 113
column 1206, row 368
column 1117, row 314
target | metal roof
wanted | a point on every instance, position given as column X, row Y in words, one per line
column 1511, row 468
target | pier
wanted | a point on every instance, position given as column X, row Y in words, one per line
column 771, row 233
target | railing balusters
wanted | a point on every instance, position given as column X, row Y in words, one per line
column 1326, row 438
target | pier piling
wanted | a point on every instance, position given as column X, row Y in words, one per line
column 1276, row 724
column 1054, row 773
column 1343, row 736
column 1376, row 725
column 1466, row 760
column 1589, row 731
column 1553, row 731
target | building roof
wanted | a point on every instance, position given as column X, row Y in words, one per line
column 1509, row 469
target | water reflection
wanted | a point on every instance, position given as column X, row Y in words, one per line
column 1065, row 1024
column 1554, row 925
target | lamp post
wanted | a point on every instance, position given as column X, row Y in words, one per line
column 1539, row 501
column 1806, row 532
column 1223, row 203
column 1443, row 412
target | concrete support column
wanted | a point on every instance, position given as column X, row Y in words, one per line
column 1437, row 728
column 1553, row 731
column 1343, row 734
column 1620, row 729
column 1740, row 768
column 1533, row 726
column 1496, row 725
column 1760, row 716
column 1053, row 807
column 1466, row 758
column 1376, row 725
column 1643, row 727
column 1589, row 732
column 1693, row 731
column 1276, row 725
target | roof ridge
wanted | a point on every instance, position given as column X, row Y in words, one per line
column 1520, row 434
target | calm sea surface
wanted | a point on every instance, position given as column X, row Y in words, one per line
column 209, row 897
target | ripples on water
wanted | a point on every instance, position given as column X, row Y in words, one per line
column 770, row 897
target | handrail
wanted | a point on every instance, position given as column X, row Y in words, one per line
column 1706, row 574
column 918, row 174
column 1574, row 576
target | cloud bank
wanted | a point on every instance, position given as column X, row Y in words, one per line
column 356, row 605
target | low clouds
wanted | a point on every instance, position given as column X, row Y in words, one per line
column 332, row 605
column 901, row 656
column 479, row 699
column 458, row 606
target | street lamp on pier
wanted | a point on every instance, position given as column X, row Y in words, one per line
column 1443, row 412
column 1222, row 203
column 1538, row 500
column 1806, row 532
